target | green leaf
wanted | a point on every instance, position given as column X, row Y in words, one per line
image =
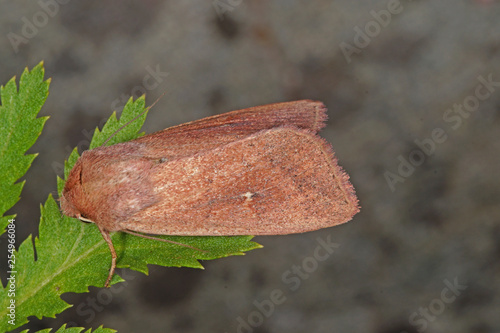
column 19, row 130
column 72, row 256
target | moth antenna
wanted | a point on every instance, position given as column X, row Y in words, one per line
column 134, row 119
column 161, row 239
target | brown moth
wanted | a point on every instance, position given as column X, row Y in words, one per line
column 256, row 171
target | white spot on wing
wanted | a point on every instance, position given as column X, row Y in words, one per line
column 248, row 195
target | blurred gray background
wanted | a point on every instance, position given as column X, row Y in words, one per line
column 411, row 120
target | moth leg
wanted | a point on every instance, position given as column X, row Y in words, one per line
column 107, row 238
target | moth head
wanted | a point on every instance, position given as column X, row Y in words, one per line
column 72, row 196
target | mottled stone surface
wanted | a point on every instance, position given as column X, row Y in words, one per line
column 407, row 92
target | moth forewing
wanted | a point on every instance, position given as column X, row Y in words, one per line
column 279, row 181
